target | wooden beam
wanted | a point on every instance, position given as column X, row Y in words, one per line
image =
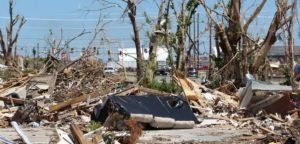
column 14, row 100
column 67, row 103
column 78, row 135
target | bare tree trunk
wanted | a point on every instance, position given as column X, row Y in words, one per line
column 180, row 61
column 181, row 33
column 291, row 46
column 139, row 59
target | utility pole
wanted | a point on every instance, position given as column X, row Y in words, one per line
column 210, row 49
column 198, row 41
column 194, row 47
column 189, row 52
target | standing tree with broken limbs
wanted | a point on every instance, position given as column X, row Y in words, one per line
column 241, row 53
column 176, row 41
column 9, row 44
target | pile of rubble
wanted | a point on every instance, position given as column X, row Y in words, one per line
column 79, row 103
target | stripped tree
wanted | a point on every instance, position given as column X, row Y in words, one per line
column 231, row 33
column 279, row 19
column 290, row 31
column 131, row 11
column 12, row 37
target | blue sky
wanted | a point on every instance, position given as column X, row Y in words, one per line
column 70, row 15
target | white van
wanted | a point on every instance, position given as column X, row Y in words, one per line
column 110, row 70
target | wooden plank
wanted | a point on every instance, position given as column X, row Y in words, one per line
column 267, row 130
column 127, row 91
column 14, row 100
column 293, row 111
column 67, row 103
column 276, row 118
column 78, row 134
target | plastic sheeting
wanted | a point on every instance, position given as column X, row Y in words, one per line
column 175, row 107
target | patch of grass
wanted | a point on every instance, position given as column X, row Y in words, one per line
column 6, row 74
column 163, row 85
column 93, row 125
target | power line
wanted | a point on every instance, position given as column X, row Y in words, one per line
column 71, row 20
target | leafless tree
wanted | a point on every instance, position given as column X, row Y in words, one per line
column 131, row 11
column 12, row 37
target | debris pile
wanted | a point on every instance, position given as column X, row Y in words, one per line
column 79, row 103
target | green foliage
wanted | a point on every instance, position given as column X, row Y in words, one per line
column 191, row 5
column 229, row 6
column 28, row 71
column 6, row 74
column 215, row 82
column 93, row 125
column 148, row 19
column 219, row 62
column 169, row 87
column 286, row 73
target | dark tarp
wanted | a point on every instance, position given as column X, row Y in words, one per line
column 175, row 107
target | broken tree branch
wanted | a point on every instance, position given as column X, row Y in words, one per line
column 254, row 15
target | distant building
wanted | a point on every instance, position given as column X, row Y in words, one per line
column 127, row 56
column 279, row 52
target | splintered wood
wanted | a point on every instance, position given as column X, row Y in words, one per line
column 189, row 91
